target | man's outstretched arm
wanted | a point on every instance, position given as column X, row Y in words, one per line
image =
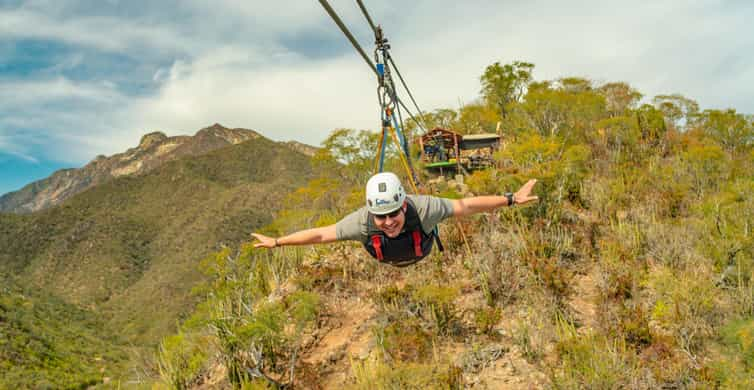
column 480, row 204
column 320, row 235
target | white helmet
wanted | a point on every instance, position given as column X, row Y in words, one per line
column 385, row 193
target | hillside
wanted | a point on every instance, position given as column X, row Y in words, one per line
column 153, row 150
column 128, row 248
column 49, row 343
column 634, row 270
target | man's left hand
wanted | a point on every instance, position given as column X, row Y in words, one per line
column 523, row 195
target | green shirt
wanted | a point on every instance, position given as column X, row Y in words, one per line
column 431, row 210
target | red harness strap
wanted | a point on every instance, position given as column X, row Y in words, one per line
column 377, row 244
column 417, row 243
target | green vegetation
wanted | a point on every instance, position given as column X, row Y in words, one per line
column 635, row 270
column 379, row 375
column 240, row 325
column 47, row 343
column 128, row 249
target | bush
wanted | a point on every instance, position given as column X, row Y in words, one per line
column 404, row 339
column 181, row 359
column 685, row 305
column 484, row 181
column 735, row 368
column 592, row 361
column 530, row 340
column 436, row 302
column 486, row 318
column 378, row 375
column 499, row 268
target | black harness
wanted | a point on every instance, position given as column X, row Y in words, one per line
column 412, row 245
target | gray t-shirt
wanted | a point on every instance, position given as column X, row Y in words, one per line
column 432, row 210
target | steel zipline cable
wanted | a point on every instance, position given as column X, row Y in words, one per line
column 398, row 72
column 387, row 94
column 366, row 15
column 361, row 51
column 350, row 37
column 408, row 91
column 387, row 89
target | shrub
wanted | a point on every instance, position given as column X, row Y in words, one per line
column 739, row 336
column 684, row 305
column 529, row 340
column 393, row 299
column 486, row 318
column 499, row 268
column 251, row 330
column 735, row 368
column 592, row 361
column 404, row 339
column 706, row 164
column 181, row 359
column 484, row 181
column 376, row 374
column 617, row 276
column 436, row 302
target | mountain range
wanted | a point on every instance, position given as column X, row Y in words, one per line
column 153, row 150
column 122, row 236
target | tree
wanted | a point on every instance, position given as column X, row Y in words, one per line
column 505, row 84
column 619, row 97
column 677, row 107
column 442, row 117
column 651, row 123
column 350, row 153
column 476, row 118
column 575, row 84
column 568, row 109
column 734, row 131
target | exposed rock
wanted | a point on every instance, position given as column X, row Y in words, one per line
column 152, row 139
column 231, row 136
column 131, row 168
column 302, row 148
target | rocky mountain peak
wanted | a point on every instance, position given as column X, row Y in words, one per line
column 154, row 149
column 151, row 139
column 232, row 136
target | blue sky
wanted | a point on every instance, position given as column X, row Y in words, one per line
column 83, row 78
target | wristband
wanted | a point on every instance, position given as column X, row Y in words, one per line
column 511, row 198
column 276, row 243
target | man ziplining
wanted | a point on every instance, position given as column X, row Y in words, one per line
column 394, row 227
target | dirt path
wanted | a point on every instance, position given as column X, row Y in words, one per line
column 349, row 336
column 583, row 302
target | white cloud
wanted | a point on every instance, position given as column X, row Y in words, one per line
column 104, row 33
column 284, row 99
column 229, row 61
column 30, row 93
column 7, row 146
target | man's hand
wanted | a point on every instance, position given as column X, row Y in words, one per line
column 264, row 241
column 523, row 195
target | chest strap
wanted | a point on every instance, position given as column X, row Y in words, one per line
column 417, row 243
column 377, row 244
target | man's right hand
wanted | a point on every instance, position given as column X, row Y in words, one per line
column 264, row 241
